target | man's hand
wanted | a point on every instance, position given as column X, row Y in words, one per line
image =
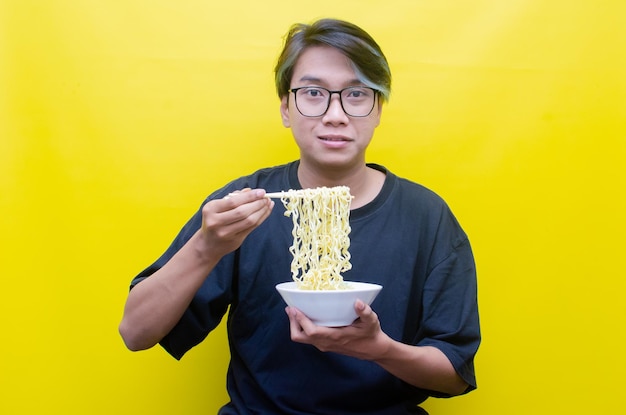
column 363, row 339
column 227, row 222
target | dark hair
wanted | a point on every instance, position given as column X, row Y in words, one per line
column 358, row 46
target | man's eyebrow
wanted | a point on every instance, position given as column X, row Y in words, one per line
column 309, row 78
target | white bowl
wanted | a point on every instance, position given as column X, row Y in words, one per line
column 330, row 308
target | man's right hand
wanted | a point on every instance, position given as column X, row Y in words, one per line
column 227, row 222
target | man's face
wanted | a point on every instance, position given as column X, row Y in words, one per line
column 333, row 140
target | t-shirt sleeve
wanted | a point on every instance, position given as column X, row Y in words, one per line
column 450, row 308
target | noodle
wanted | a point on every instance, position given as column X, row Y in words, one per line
column 320, row 236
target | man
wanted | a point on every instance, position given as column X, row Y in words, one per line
column 420, row 335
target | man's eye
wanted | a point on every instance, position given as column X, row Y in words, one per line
column 313, row 92
column 357, row 93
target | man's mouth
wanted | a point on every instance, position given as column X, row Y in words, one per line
column 333, row 138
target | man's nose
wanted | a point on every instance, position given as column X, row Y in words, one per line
column 335, row 109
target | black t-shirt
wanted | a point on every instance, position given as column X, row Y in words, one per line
column 406, row 240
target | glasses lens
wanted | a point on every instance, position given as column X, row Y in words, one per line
column 357, row 101
column 314, row 101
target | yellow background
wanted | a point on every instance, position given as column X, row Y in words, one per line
column 118, row 117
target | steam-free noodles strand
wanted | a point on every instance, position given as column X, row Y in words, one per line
column 321, row 229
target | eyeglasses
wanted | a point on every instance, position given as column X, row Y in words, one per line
column 314, row 101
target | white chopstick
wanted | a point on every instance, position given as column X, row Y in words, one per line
column 274, row 195
column 278, row 195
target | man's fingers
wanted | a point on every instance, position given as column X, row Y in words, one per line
column 365, row 312
column 294, row 326
column 237, row 206
column 246, row 194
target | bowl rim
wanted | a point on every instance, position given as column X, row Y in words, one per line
column 362, row 286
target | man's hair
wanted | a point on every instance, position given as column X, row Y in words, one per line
column 358, row 46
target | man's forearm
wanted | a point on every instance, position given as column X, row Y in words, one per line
column 156, row 304
column 425, row 367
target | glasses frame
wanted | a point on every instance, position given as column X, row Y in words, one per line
column 330, row 96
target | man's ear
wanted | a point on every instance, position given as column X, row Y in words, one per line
column 284, row 110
